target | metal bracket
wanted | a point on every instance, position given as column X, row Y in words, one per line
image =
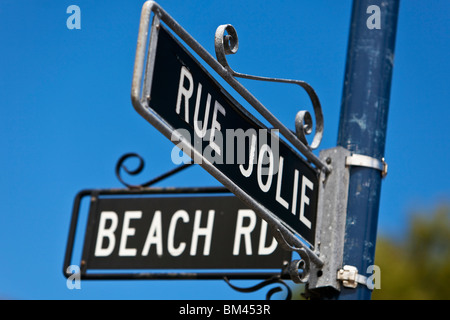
column 140, row 167
column 368, row 162
column 350, row 277
column 229, row 44
column 299, row 270
column 331, row 219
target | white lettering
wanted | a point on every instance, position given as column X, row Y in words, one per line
column 206, row 232
column 305, row 200
column 294, row 192
column 180, row 214
column 244, row 231
column 262, row 249
column 106, row 233
column 216, row 126
column 201, row 132
column 251, row 158
column 210, row 151
column 278, row 197
column 187, row 93
column 154, row 236
column 264, row 186
column 128, row 232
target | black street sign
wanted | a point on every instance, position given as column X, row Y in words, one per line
column 184, row 102
column 176, row 229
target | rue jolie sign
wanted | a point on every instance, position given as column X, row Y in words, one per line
column 183, row 101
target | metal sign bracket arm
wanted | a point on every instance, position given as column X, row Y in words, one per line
column 120, row 165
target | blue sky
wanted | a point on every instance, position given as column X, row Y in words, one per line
column 66, row 117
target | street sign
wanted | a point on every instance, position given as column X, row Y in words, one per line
column 183, row 101
column 177, row 230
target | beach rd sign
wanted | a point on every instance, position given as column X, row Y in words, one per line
column 177, row 232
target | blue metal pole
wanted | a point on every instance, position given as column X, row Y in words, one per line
column 363, row 123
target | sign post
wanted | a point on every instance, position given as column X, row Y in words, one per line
column 365, row 96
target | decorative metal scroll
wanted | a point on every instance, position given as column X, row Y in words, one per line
column 120, row 165
column 270, row 293
column 298, row 269
column 229, row 44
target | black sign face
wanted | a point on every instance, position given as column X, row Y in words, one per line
column 178, row 232
column 219, row 134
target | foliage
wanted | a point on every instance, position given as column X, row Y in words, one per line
column 419, row 266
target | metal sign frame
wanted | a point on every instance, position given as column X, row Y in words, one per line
column 140, row 93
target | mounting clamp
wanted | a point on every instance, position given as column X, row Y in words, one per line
column 369, row 162
column 350, row 277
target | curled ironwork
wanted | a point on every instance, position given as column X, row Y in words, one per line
column 270, row 293
column 299, row 270
column 226, row 42
column 120, row 165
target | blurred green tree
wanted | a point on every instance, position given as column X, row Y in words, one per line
column 417, row 267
